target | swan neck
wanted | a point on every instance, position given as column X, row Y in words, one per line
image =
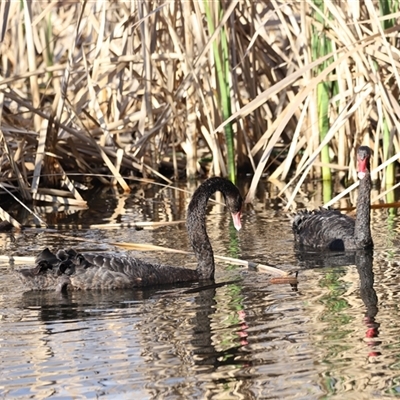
column 196, row 226
column 363, row 218
column 196, row 222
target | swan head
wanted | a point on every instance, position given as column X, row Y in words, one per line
column 235, row 205
column 363, row 156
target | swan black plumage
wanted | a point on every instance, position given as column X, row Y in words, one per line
column 330, row 229
column 70, row 270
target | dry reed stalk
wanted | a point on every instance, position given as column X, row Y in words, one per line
column 21, row 179
column 5, row 216
column 394, row 158
column 191, row 129
column 140, row 78
column 29, row 36
column 130, row 225
column 17, row 259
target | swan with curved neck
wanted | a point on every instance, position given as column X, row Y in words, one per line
column 332, row 230
column 69, row 270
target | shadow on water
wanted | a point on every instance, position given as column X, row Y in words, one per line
column 55, row 307
column 308, row 259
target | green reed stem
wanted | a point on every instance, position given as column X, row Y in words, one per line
column 221, row 57
column 322, row 46
column 388, row 7
column 390, row 177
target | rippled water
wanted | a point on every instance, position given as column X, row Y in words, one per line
column 336, row 336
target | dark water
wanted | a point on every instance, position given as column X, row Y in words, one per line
column 336, row 337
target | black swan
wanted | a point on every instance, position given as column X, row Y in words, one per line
column 69, row 270
column 330, row 229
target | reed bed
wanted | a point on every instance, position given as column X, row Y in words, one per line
column 169, row 90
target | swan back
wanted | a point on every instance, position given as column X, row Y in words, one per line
column 332, row 230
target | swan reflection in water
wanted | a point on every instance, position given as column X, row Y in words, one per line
column 363, row 260
column 168, row 322
column 364, row 263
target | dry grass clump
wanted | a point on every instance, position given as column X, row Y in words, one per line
column 113, row 89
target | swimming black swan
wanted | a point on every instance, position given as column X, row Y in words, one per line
column 68, row 269
column 330, row 229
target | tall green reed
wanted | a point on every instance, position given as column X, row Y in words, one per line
column 387, row 7
column 321, row 46
column 222, row 67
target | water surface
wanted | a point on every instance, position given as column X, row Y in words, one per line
column 336, row 336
